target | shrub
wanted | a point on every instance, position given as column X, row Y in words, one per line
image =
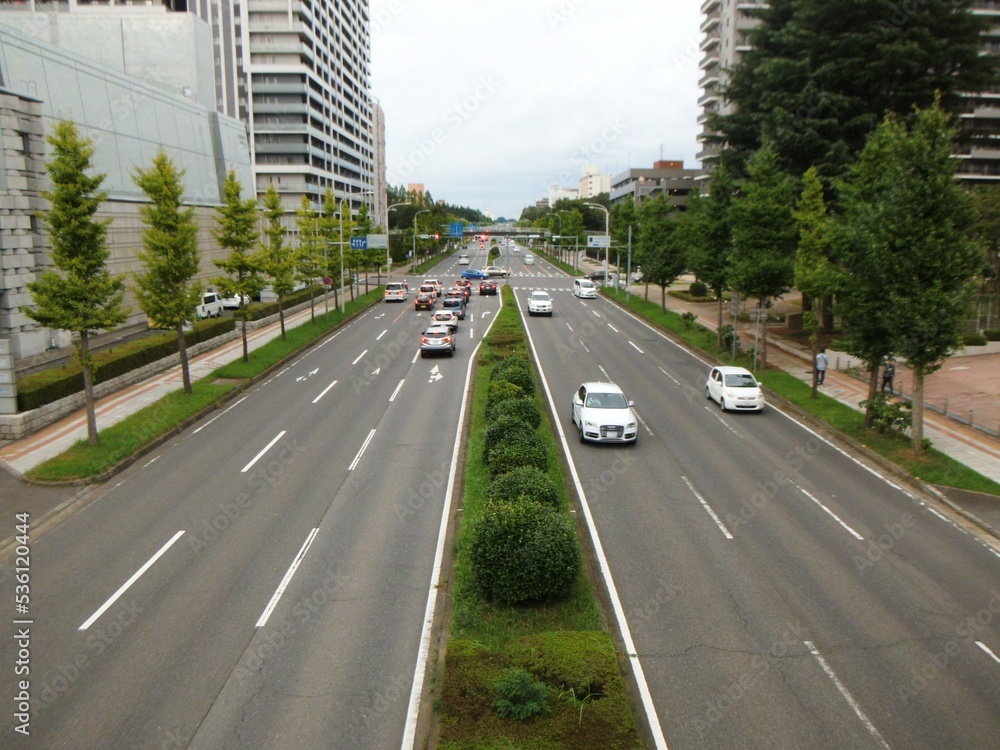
column 992, row 334
column 523, row 552
column 502, row 390
column 516, row 370
column 525, row 483
column 973, row 339
column 503, row 431
column 524, row 409
column 698, row 289
column 521, row 697
column 519, row 450
column 689, row 319
column 888, row 414
column 728, row 334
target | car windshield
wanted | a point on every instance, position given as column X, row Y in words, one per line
column 540, row 296
column 606, row 401
column 586, row 284
column 740, row 380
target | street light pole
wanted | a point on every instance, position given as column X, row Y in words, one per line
column 413, row 257
column 607, row 235
column 388, row 258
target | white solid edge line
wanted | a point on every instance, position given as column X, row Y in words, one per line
column 708, row 508
column 858, row 711
column 833, row 515
column 324, row 392
column 626, row 633
column 361, row 450
column 987, row 649
column 413, row 709
column 286, row 580
column 135, row 577
column 265, row 449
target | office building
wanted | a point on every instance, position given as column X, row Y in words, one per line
column 668, row 178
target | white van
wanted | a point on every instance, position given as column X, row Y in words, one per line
column 529, row 260
column 395, row 292
column 584, row 289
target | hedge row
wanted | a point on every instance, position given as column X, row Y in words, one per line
column 50, row 385
column 523, row 549
column 260, row 310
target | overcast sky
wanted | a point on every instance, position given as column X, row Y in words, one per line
column 488, row 102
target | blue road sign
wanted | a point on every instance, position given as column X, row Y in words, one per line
column 359, row 243
column 456, row 229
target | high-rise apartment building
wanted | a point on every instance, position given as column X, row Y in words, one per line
column 726, row 24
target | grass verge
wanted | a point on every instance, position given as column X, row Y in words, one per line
column 136, row 432
column 563, row 643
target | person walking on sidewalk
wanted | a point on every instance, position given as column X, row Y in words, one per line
column 888, row 373
column 822, row 362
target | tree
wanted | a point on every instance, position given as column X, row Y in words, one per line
column 309, row 257
column 761, row 263
column 820, row 76
column 328, row 228
column 914, row 227
column 276, row 258
column 815, row 276
column 345, row 228
column 661, row 255
column 81, row 295
column 236, row 233
column 166, row 289
column 710, row 260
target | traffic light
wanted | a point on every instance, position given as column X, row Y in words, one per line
column 437, row 236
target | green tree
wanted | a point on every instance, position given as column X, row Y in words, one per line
column 710, row 259
column 237, row 234
column 764, row 237
column 166, row 289
column 820, row 76
column 309, row 256
column 276, row 257
column 914, row 227
column 815, row 275
column 80, row 295
column 660, row 253
column 986, row 204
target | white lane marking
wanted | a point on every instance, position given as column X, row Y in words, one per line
column 359, row 357
column 379, row 337
column 325, row 391
column 986, row 648
column 393, row 396
column 613, row 328
column 569, row 326
column 361, row 450
column 472, row 333
column 596, row 313
column 584, row 346
column 601, row 368
column 416, row 356
column 267, row 447
column 286, row 580
column 847, row 696
column 676, row 381
column 420, row 670
column 708, row 508
column 643, row 421
column 833, row 515
column 135, row 577
column 726, row 424
column 151, row 461
column 636, row 348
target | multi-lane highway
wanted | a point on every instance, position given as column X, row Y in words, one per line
column 262, row 580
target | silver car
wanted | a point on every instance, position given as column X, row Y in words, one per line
column 437, row 338
column 602, row 414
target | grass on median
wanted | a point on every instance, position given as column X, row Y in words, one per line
column 932, row 466
column 562, row 643
column 137, row 431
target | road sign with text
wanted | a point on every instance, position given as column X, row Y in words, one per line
column 598, row 240
column 378, row 241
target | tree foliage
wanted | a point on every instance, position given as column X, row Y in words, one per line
column 276, row 257
column 660, row 254
column 710, row 257
column 309, row 256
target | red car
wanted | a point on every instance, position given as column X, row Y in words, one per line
column 487, row 287
column 424, row 301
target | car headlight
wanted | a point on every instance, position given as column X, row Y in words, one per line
column 588, row 423
column 630, row 426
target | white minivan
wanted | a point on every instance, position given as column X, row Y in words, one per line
column 529, row 260
column 584, row 289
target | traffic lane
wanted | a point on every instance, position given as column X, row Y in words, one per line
column 347, row 630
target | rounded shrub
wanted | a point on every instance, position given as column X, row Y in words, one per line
column 515, row 361
column 524, row 409
column 523, row 552
column 518, row 450
column 515, row 370
column 501, row 390
column 525, row 483
column 502, row 431
column 698, row 289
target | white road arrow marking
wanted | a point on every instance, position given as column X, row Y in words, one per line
column 306, row 376
column 377, row 371
column 486, row 312
column 435, row 374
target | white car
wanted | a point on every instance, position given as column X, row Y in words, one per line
column 602, row 414
column 734, row 388
column 529, row 260
column 495, row 271
column 584, row 289
column 233, row 303
column 540, row 303
column 395, row 291
column 463, row 260
column 211, row 305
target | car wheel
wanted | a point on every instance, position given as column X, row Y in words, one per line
column 423, row 354
column 582, row 438
column 722, row 403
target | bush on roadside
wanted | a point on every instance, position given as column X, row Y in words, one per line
column 698, row 289
column 889, row 415
column 518, row 450
column 516, row 370
column 524, row 483
column 524, row 409
column 973, row 339
column 502, row 390
column 523, row 552
column 992, row 334
column 503, row 430
column 520, row 696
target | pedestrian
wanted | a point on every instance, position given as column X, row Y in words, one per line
column 888, row 373
column 822, row 361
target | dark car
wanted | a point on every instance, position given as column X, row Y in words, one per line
column 474, row 273
column 424, row 301
column 487, row 287
column 455, row 303
column 595, row 276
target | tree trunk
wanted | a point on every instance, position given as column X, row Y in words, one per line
column 281, row 315
column 663, row 297
column 647, row 291
column 312, row 301
column 183, row 352
column 827, row 305
column 83, row 353
column 246, row 346
column 718, row 328
column 762, row 313
column 917, row 426
column 872, row 388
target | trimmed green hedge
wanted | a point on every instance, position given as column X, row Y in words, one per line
column 50, row 385
column 992, row 334
column 502, row 390
column 518, row 450
column 260, row 310
column 524, row 483
column 502, row 431
column 523, row 409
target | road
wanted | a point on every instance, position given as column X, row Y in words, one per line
column 779, row 592
column 262, row 579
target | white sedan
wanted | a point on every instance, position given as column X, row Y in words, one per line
column 540, row 303
column 734, row 388
column 602, row 414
